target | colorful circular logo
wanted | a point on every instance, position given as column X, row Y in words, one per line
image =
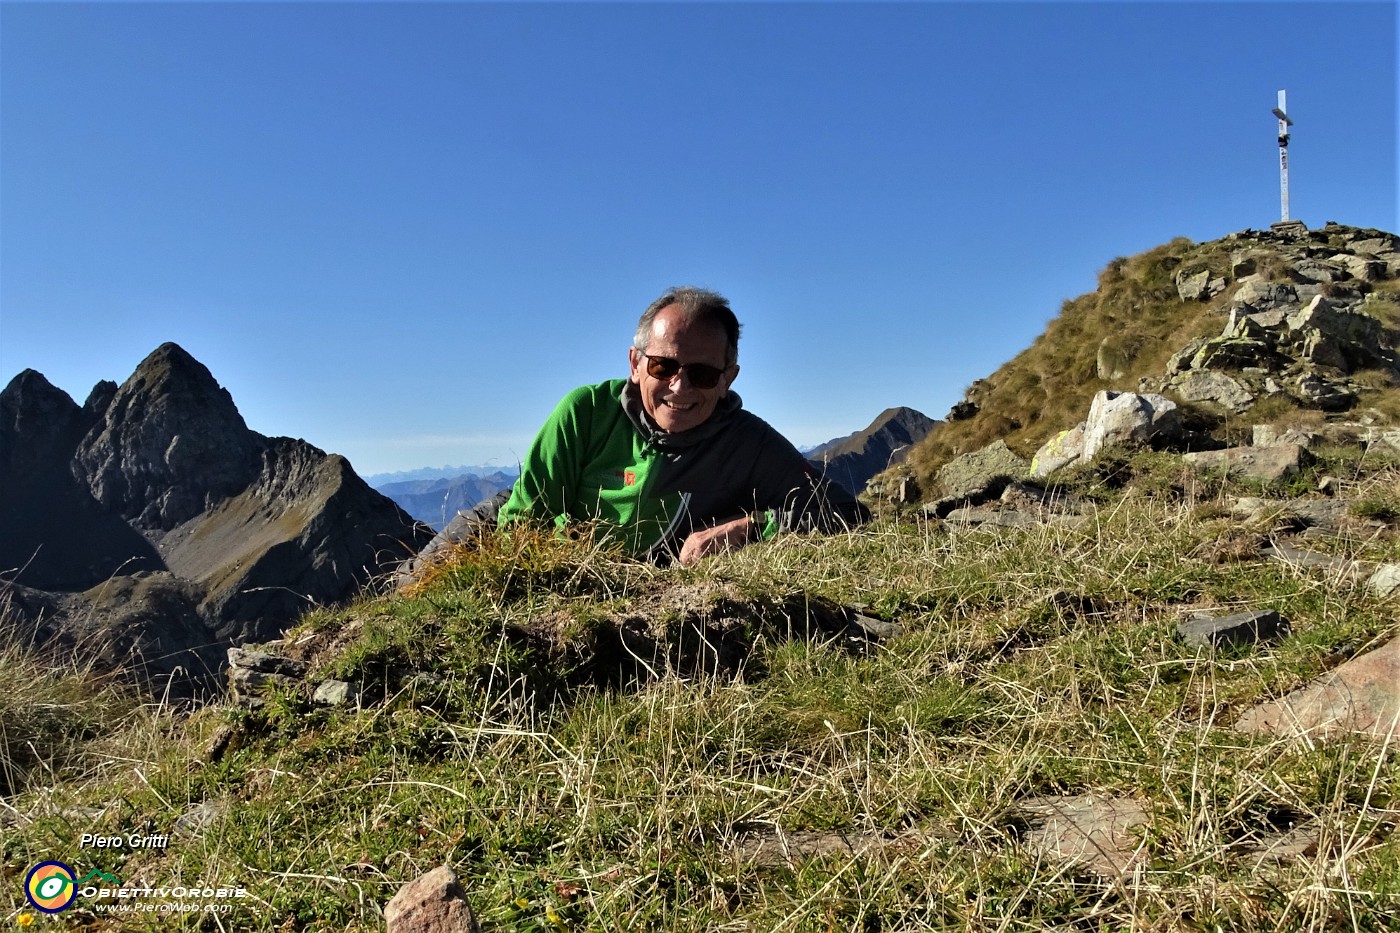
column 50, row 886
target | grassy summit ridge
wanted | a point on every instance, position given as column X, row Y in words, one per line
column 819, row 787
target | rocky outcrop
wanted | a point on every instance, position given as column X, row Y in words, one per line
column 854, row 459
column 1297, row 323
column 162, row 528
column 982, row 474
column 1114, row 418
column 53, row 535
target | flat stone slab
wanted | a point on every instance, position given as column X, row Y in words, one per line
column 770, row 845
column 1312, row 560
column 1361, row 696
column 1241, row 628
column 1265, row 463
column 1097, row 832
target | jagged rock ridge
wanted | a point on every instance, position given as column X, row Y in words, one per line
column 151, row 527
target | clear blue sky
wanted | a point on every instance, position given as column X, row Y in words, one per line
column 403, row 231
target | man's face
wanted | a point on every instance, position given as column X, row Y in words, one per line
column 677, row 404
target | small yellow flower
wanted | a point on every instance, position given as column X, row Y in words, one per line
column 522, row 902
column 25, row 919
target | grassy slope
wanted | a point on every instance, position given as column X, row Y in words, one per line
column 1033, row 662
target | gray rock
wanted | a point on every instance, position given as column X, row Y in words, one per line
column 431, row 903
column 264, row 663
column 1214, row 387
column 1265, row 296
column 983, row 473
column 1265, row 463
column 1361, row 696
column 1192, row 285
column 1114, row 418
column 333, row 693
column 1235, row 353
column 246, row 684
column 1298, row 842
column 1363, row 268
column 1373, row 246
column 1128, row 417
column 1269, row 435
column 1311, row 560
column 1324, row 350
column 1385, row 580
column 1324, row 393
column 1381, row 439
column 1356, row 336
column 1242, row 325
column 1317, row 271
column 1058, row 452
column 1181, row 360
column 1241, row 628
column 1244, row 262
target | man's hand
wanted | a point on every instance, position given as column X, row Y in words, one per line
column 713, row 540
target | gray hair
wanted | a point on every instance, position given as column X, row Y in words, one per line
column 695, row 305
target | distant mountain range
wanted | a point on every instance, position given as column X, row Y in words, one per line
column 380, row 480
column 434, row 501
column 852, row 460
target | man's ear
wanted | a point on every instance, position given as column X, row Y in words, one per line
column 730, row 376
column 634, row 365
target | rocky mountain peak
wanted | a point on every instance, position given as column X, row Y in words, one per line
column 852, row 460
column 151, row 527
column 169, row 444
column 39, row 424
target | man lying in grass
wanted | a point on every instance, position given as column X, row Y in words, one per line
column 667, row 461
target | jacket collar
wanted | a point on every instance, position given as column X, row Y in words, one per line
column 652, row 433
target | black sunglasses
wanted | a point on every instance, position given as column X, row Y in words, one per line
column 701, row 375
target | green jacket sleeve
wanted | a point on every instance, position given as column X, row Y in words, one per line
column 546, row 489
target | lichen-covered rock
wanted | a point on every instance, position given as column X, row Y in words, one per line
column 982, row 472
column 1060, row 451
